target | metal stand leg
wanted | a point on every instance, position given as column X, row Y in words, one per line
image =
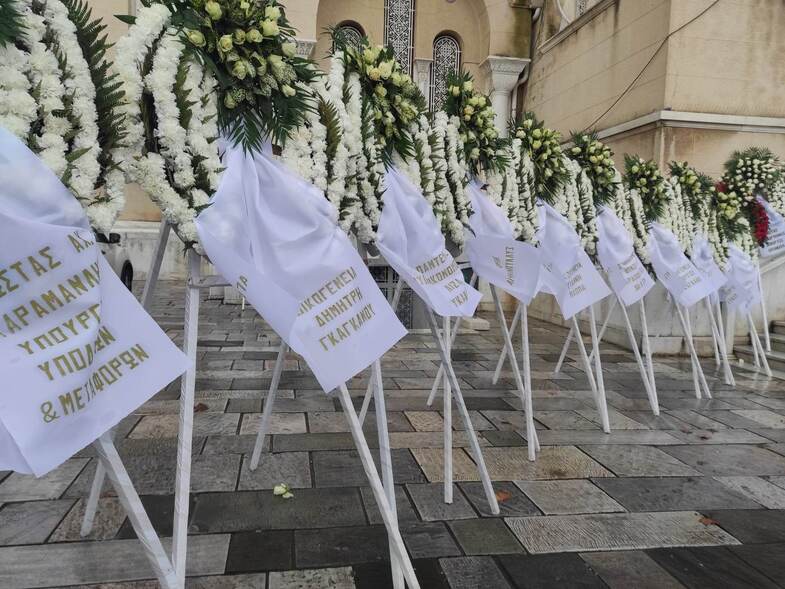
column 523, row 391
column 264, row 425
column 377, row 488
column 473, row 441
column 151, row 544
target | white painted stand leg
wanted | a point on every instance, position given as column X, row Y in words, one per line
column 185, row 435
column 523, row 392
column 377, row 488
column 527, row 376
column 440, row 374
column 467, row 422
column 264, row 425
column 155, row 266
column 396, row 297
column 571, row 335
column 447, row 415
column 717, row 308
column 647, row 349
column 719, row 342
column 602, row 403
column 756, row 344
column 590, row 374
column 698, row 376
column 650, row 392
column 126, row 493
column 91, row 507
column 503, row 353
column 147, row 298
column 385, row 460
column 764, row 314
column 718, row 361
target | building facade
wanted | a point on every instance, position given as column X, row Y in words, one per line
column 666, row 79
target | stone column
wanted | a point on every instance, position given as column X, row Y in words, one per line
column 422, row 76
column 502, row 75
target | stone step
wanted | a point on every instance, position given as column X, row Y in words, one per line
column 778, row 327
column 777, row 342
column 776, row 359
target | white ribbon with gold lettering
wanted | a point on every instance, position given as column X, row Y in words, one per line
column 275, row 237
column 77, row 351
column 410, row 240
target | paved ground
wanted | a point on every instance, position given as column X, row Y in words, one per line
column 693, row 498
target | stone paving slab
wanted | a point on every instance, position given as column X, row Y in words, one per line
column 471, row 572
column 27, row 567
column 674, row 494
column 561, row 462
column 20, row 487
column 624, row 570
column 566, row 497
column 710, row 568
column 729, row 460
column 602, row 532
column 697, row 456
column 31, row 522
column 630, row 461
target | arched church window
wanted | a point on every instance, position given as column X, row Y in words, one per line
column 399, row 30
column 446, row 61
column 350, row 32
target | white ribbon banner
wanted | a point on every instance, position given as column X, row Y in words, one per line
column 410, row 240
column 775, row 243
column 676, row 272
column 275, row 237
column 77, row 352
column 567, row 271
column 703, row 259
column 742, row 290
column 616, row 252
column 495, row 254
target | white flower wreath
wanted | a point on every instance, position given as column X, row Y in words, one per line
column 179, row 165
column 48, row 99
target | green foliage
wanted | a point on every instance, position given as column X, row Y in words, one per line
column 752, row 172
column 109, row 95
column 393, row 99
column 596, row 159
column 645, row 177
column 12, row 24
column 698, row 188
column 485, row 150
column 329, row 117
column 250, row 48
column 542, row 146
